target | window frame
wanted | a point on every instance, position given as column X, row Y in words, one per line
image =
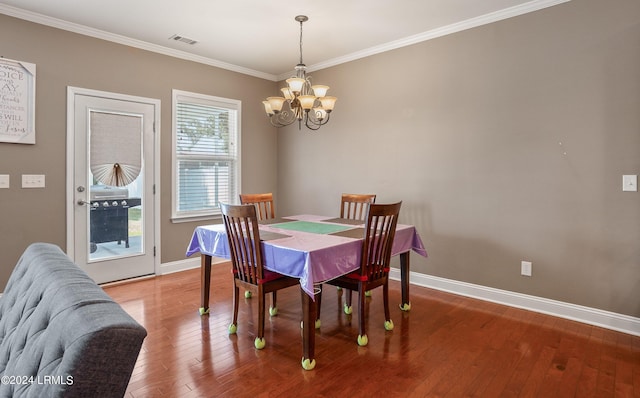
column 179, row 96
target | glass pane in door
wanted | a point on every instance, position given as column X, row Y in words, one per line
column 116, row 186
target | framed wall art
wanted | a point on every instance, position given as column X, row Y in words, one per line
column 17, row 101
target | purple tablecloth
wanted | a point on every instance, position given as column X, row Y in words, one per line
column 312, row 257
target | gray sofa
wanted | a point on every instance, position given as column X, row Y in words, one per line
column 60, row 334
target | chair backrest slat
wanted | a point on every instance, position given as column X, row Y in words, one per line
column 241, row 224
column 380, row 229
column 263, row 203
column 355, row 206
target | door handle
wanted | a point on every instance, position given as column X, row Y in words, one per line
column 82, row 202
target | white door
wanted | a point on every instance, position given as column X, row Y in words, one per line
column 111, row 209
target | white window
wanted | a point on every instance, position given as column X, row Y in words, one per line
column 206, row 154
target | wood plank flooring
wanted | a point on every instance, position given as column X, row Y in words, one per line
column 446, row 346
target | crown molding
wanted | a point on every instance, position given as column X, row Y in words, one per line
column 514, row 11
column 486, row 19
column 143, row 45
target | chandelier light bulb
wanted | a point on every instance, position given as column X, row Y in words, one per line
column 328, row 102
column 267, row 108
column 319, row 90
column 307, row 101
column 296, row 84
column 286, row 91
column 276, row 103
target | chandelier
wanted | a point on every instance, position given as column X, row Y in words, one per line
column 306, row 103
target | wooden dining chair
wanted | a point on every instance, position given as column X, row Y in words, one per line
column 263, row 203
column 354, row 206
column 379, row 231
column 241, row 224
column 265, row 210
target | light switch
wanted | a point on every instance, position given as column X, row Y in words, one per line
column 4, row 180
column 33, row 181
column 630, row 183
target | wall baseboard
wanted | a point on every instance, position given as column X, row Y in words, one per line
column 592, row 316
column 610, row 320
column 186, row 264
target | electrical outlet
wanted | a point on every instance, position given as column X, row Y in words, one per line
column 4, row 180
column 525, row 268
column 630, row 182
column 33, row 181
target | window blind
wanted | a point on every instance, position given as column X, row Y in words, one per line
column 206, row 136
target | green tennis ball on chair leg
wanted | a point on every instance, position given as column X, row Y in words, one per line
column 308, row 364
column 388, row 325
column 259, row 343
column 273, row 311
column 363, row 340
column 247, row 294
column 348, row 309
column 233, row 329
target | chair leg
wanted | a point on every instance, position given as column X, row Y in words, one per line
column 273, row 310
column 385, row 297
column 348, row 309
column 363, row 340
column 262, row 298
column 318, row 305
column 388, row 323
column 236, row 297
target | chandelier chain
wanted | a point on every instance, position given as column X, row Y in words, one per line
column 301, row 42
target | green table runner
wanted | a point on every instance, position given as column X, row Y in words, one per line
column 312, row 227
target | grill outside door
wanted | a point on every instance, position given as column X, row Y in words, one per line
column 110, row 221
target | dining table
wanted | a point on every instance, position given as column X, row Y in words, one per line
column 312, row 248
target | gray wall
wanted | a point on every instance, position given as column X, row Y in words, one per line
column 506, row 142
column 66, row 59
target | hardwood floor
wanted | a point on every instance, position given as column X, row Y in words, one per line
column 446, row 346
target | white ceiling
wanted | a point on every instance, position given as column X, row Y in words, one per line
column 261, row 37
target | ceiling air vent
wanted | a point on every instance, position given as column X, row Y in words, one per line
column 183, row 39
